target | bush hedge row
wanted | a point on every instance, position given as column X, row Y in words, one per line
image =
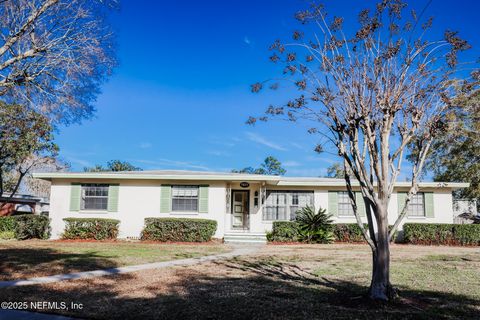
column 25, row 226
column 179, row 229
column 348, row 232
column 90, row 228
column 284, row 231
column 441, row 234
column 287, row 231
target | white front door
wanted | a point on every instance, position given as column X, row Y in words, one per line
column 239, row 209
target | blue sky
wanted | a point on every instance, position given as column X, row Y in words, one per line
column 180, row 96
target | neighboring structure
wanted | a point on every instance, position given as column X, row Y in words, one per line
column 465, row 211
column 244, row 205
column 22, row 204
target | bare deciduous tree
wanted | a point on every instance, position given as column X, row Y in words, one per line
column 54, row 54
column 372, row 95
column 28, row 184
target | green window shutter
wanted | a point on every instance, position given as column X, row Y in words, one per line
column 75, row 196
column 112, row 205
column 401, row 198
column 203, row 199
column 428, row 197
column 165, row 198
column 333, row 203
column 360, row 204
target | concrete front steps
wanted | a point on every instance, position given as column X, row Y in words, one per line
column 244, row 237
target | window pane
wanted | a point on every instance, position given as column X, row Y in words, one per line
column 295, row 199
column 184, row 198
column 94, row 197
column 344, row 205
column 283, row 205
column 416, row 206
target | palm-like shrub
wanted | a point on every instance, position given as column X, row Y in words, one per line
column 314, row 227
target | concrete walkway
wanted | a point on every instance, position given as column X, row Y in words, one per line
column 238, row 250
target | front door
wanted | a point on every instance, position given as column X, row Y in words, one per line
column 240, row 209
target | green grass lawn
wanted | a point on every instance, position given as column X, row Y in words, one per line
column 454, row 273
column 32, row 258
column 280, row 282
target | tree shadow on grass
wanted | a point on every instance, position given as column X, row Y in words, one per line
column 239, row 289
column 23, row 263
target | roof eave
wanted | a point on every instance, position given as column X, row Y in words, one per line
column 450, row 185
column 114, row 176
column 276, row 180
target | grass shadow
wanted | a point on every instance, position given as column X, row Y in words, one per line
column 23, row 263
column 240, row 289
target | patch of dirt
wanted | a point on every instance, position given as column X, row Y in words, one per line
column 277, row 282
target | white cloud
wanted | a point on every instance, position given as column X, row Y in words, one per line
column 145, row 145
column 77, row 161
column 309, row 172
column 162, row 163
column 247, row 40
column 224, row 141
column 263, row 141
column 291, row 164
column 298, row 145
column 323, row 159
column 218, row 153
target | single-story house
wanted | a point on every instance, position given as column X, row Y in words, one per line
column 244, row 205
column 22, row 204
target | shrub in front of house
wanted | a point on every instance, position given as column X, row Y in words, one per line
column 314, row 227
column 467, row 234
column 287, row 231
column 25, row 226
column 7, row 235
column 427, row 233
column 7, row 223
column 179, row 229
column 90, row 228
column 441, row 234
column 7, row 228
column 284, row 231
column 351, row 232
column 348, row 232
column 28, row 226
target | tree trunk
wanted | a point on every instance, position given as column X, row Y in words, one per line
column 380, row 287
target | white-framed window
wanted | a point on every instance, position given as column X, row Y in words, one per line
column 283, row 205
column 94, row 197
column 416, row 206
column 185, row 198
column 345, row 208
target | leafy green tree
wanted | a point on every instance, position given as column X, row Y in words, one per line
column 249, row 170
column 270, row 166
column 117, row 165
column 455, row 155
column 336, row 170
column 113, row 165
column 26, row 140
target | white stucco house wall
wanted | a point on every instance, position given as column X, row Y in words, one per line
column 242, row 204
